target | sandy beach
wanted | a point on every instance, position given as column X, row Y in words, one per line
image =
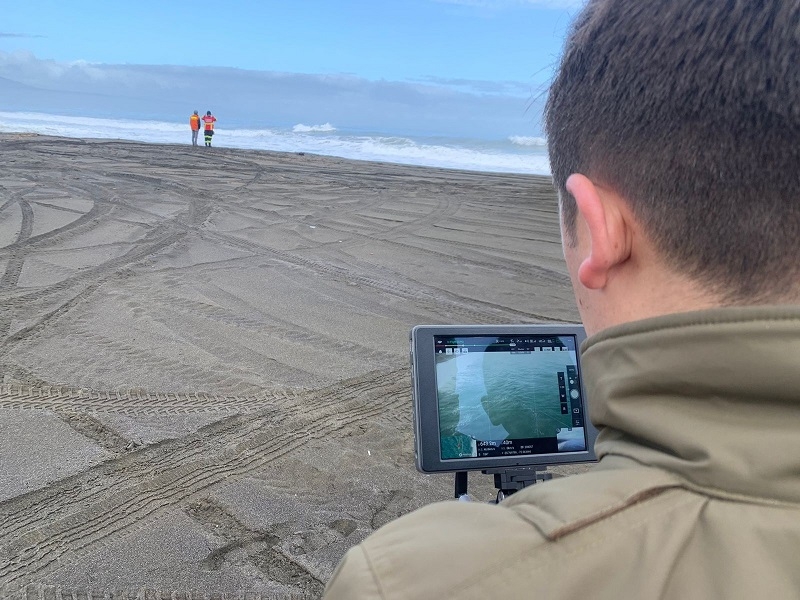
column 204, row 380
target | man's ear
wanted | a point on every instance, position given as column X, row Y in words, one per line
column 603, row 218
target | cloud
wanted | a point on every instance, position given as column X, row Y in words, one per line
column 19, row 35
column 503, row 88
column 24, row 67
column 244, row 98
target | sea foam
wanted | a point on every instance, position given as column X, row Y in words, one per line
column 300, row 128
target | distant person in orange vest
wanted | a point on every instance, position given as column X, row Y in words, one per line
column 209, row 120
column 194, row 123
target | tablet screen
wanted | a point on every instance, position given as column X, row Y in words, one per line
column 508, row 395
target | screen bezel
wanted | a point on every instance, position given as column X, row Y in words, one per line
column 427, row 447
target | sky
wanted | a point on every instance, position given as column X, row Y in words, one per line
column 441, row 67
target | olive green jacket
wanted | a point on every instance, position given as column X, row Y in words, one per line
column 696, row 495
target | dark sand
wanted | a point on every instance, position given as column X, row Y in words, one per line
column 204, row 355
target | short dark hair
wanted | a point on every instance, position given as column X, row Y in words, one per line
column 690, row 110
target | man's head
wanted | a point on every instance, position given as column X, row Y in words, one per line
column 208, row 113
column 683, row 120
column 195, row 112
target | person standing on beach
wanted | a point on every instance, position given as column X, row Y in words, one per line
column 208, row 133
column 194, row 123
column 672, row 130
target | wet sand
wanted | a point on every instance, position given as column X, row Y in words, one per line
column 204, row 383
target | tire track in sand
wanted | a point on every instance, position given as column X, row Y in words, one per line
column 138, row 402
column 50, row 527
column 428, row 296
column 16, row 261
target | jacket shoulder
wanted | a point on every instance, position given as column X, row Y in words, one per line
column 563, row 506
column 463, row 540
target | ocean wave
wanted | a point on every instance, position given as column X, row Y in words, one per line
column 300, row 128
column 527, row 140
column 498, row 157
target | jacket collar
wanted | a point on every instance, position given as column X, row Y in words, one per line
column 712, row 396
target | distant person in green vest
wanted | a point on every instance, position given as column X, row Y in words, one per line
column 194, row 123
column 208, row 133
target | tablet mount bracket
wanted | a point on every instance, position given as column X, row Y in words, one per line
column 507, row 481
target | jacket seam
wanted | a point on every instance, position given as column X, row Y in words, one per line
column 373, row 572
column 712, row 492
column 609, row 511
column 641, row 494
